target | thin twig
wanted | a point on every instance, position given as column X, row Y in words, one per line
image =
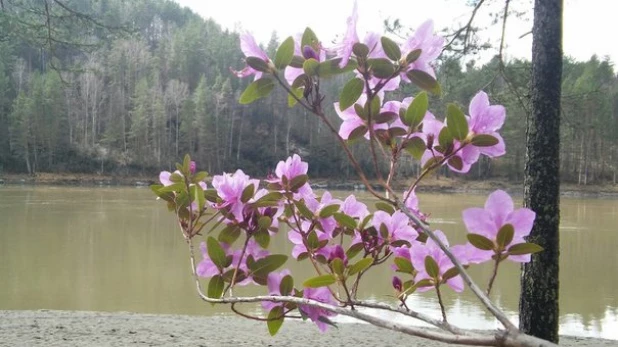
column 441, row 302
column 465, row 28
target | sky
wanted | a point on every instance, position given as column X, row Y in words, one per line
column 589, row 25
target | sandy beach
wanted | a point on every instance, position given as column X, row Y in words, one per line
column 76, row 328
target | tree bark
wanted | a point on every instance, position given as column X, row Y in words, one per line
column 538, row 309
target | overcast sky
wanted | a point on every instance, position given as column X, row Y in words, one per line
column 590, row 26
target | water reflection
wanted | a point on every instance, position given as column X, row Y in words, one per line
column 116, row 249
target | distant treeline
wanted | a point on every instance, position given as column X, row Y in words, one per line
column 134, row 101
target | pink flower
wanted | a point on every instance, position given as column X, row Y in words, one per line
column 207, row 268
column 164, row 177
column 488, row 221
column 230, row 188
column 327, row 224
column 321, row 294
column 290, row 169
column 296, row 238
column 274, row 284
column 343, row 50
column 430, row 46
column 418, row 253
column 291, row 73
column 352, row 121
column 487, row 119
column 251, row 49
column 397, row 226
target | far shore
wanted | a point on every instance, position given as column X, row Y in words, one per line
column 79, row 328
column 429, row 185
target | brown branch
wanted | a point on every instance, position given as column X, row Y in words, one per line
column 500, row 338
column 465, row 28
column 417, row 315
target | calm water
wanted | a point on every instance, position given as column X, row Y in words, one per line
column 117, row 249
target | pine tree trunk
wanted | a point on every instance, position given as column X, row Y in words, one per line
column 538, row 309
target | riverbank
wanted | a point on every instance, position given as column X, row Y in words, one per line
column 76, row 328
column 430, row 184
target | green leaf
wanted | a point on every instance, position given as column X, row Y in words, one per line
column 167, row 196
column 256, row 90
column 309, row 39
column 360, row 111
column 413, row 56
column 404, row 265
column 174, row 187
column 320, row 281
column 211, row 195
column 247, row 193
column 262, row 267
column 287, row 285
column 177, row 178
column 257, row 64
column 328, row 211
column 391, row 48
column 331, row 67
column 292, row 101
column 381, row 67
column 262, row 237
column 456, row 162
column 350, row 93
column 216, row 253
column 416, row 112
column 357, row 133
column 265, row 222
column 384, row 117
column 337, row 266
column 425, row 282
column 373, row 108
column 297, row 62
column 432, row 267
column 386, row 207
column 354, row 250
column 199, row 177
column 445, row 138
column 186, row 164
column 215, row 287
column 312, row 241
column 360, row 266
column 424, row 81
column 524, row 248
column 275, row 320
column 285, row 53
column 484, row 140
column 481, row 242
column 360, row 50
column 270, row 199
column 297, row 182
column 416, row 147
column 229, row 234
column 229, row 275
column 505, row 235
column 456, row 122
column 344, row 220
column 311, row 67
column 302, row 208
column 450, row 273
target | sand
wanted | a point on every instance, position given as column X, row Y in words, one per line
column 76, row 328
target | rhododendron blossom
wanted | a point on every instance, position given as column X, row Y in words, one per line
column 498, row 212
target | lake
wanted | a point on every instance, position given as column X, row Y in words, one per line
column 117, row 249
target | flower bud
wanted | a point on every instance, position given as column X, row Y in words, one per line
column 397, row 284
column 192, row 167
column 309, row 52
